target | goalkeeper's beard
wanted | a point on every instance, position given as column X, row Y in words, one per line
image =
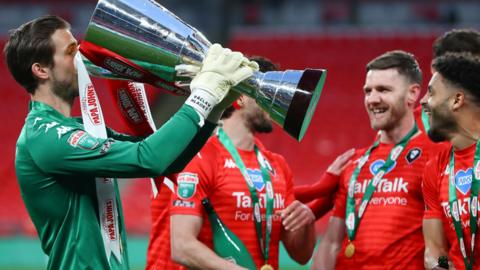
column 66, row 90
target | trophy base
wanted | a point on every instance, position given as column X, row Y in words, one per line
column 304, row 102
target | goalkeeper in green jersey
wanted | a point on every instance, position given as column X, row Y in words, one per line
column 64, row 172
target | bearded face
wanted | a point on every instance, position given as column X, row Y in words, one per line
column 63, row 72
column 256, row 119
column 436, row 106
column 65, row 89
column 385, row 98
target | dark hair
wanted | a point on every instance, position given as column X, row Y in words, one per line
column 402, row 61
column 457, row 40
column 264, row 65
column 31, row 43
column 460, row 70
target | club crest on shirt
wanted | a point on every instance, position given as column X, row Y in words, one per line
column 377, row 164
column 413, row 155
column 187, row 185
column 257, row 178
column 463, row 180
column 82, row 140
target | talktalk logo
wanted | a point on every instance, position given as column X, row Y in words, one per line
column 92, row 106
column 462, row 207
column 384, row 185
column 243, row 200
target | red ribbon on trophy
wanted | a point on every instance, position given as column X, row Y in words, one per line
column 126, row 68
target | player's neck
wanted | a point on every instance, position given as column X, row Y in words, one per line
column 397, row 133
column 45, row 95
column 468, row 130
column 239, row 133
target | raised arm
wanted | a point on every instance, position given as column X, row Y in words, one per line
column 328, row 183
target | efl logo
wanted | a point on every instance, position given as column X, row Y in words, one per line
column 92, row 105
column 187, row 185
column 83, row 140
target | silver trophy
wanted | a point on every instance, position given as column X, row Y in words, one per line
column 140, row 40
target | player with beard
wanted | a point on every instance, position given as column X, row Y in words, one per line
column 158, row 253
column 456, row 40
column 57, row 162
column 377, row 217
column 451, row 182
column 216, row 174
column 319, row 196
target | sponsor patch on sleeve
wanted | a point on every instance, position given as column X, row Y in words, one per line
column 82, row 140
column 187, row 185
column 106, row 146
column 184, row 204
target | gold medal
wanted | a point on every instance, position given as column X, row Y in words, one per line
column 349, row 250
column 266, row 267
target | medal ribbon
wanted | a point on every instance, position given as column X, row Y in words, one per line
column 264, row 245
column 107, row 203
column 455, row 211
column 352, row 220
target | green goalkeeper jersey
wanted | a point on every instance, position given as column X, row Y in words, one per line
column 57, row 163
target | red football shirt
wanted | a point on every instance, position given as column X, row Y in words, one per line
column 435, row 191
column 214, row 174
column 158, row 254
column 390, row 232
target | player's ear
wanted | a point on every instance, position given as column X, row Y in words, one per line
column 239, row 103
column 40, row 71
column 458, row 100
column 413, row 93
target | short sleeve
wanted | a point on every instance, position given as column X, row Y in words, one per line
column 430, row 189
column 194, row 183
